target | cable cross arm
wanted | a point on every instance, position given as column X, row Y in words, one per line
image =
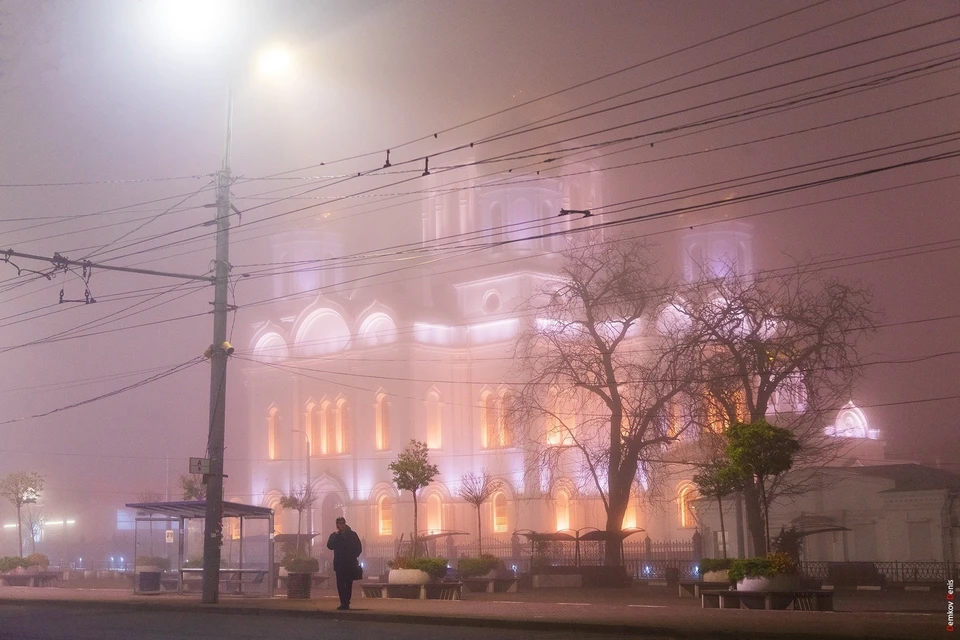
column 59, row 261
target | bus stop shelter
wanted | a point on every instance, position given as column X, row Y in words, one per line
column 247, row 564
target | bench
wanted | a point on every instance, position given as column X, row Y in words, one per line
column 430, row 591
column 492, row 585
column 232, row 581
column 38, row 579
column 807, row 600
column 694, row 587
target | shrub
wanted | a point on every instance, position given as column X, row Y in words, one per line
column 154, row 561
column 479, row 566
column 435, row 567
column 9, row 563
column 715, row 564
column 772, row 565
column 301, row 564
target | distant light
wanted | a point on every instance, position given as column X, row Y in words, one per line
column 274, row 61
column 9, row 526
column 190, row 23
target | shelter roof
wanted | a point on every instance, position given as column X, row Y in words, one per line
column 198, row 509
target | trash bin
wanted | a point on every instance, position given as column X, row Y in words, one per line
column 148, row 581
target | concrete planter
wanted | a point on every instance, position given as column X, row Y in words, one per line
column 298, row 586
column 408, row 576
column 716, row 576
column 781, row 582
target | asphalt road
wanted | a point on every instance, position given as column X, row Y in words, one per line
column 71, row 623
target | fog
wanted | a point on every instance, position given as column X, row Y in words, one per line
column 110, row 131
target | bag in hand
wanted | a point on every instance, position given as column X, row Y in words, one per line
column 358, row 572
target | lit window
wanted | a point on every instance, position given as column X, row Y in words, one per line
column 500, row 513
column 506, row 430
column 563, row 511
column 385, row 516
column 685, row 500
column 328, row 421
column 273, row 434
column 383, row 422
column 343, row 426
column 434, row 514
column 313, row 428
column 488, row 420
column 630, row 515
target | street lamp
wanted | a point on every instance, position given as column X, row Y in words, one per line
column 190, row 24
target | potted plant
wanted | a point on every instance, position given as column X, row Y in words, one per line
column 300, row 570
column 775, row 572
column 485, row 565
column 715, row 569
column 406, row 570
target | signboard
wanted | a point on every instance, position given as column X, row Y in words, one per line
column 199, row 465
column 169, row 536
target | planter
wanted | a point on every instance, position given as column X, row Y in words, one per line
column 298, row 586
column 781, row 582
column 408, row 576
column 716, row 576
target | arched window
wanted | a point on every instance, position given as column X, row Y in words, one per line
column 382, row 411
column 273, row 434
column 563, row 511
column 343, row 426
column 506, row 430
column 314, row 433
column 500, row 513
column 488, row 420
column 328, row 428
column 385, row 516
column 433, row 420
column 685, row 498
column 434, row 514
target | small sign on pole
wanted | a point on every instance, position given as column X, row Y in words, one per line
column 199, row 465
column 169, row 536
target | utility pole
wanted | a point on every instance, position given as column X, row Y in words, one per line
column 213, row 521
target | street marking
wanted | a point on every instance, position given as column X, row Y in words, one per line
column 648, row 606
column 575, row 604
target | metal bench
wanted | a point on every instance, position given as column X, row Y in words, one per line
column 694, row 587
column 806, row 600
column 492, row 585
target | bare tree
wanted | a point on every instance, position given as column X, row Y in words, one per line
column 604, row 364
column 35, row 518
column 20, row 488
column 300, row 500
column 477, row 489
column 781, row 347
column 193, row 487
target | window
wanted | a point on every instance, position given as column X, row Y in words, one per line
column 433, row 420
column 630, row 515
column 382, row 411
column 500, row 513
column 496, row 223
column 343, row 426
column 385, row 516
column 328, row 421
column 505, row 420
column 434, row 514
column 685, row 498
column 314, row 433
column 563, row 511
column 273, row 434
column 562, row 424
column 488, row 420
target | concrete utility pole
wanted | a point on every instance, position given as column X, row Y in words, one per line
column 213, row 520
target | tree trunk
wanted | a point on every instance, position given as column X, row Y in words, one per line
column 19, row 531
column 617, row 508
column 755, row 525
column 723, row 532
column 416, row 550
column 479, row 534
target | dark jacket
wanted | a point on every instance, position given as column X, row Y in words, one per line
column 346, row 548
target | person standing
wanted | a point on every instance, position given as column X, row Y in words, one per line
column 346, row 547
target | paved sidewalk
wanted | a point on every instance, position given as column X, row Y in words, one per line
column 630, row 612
